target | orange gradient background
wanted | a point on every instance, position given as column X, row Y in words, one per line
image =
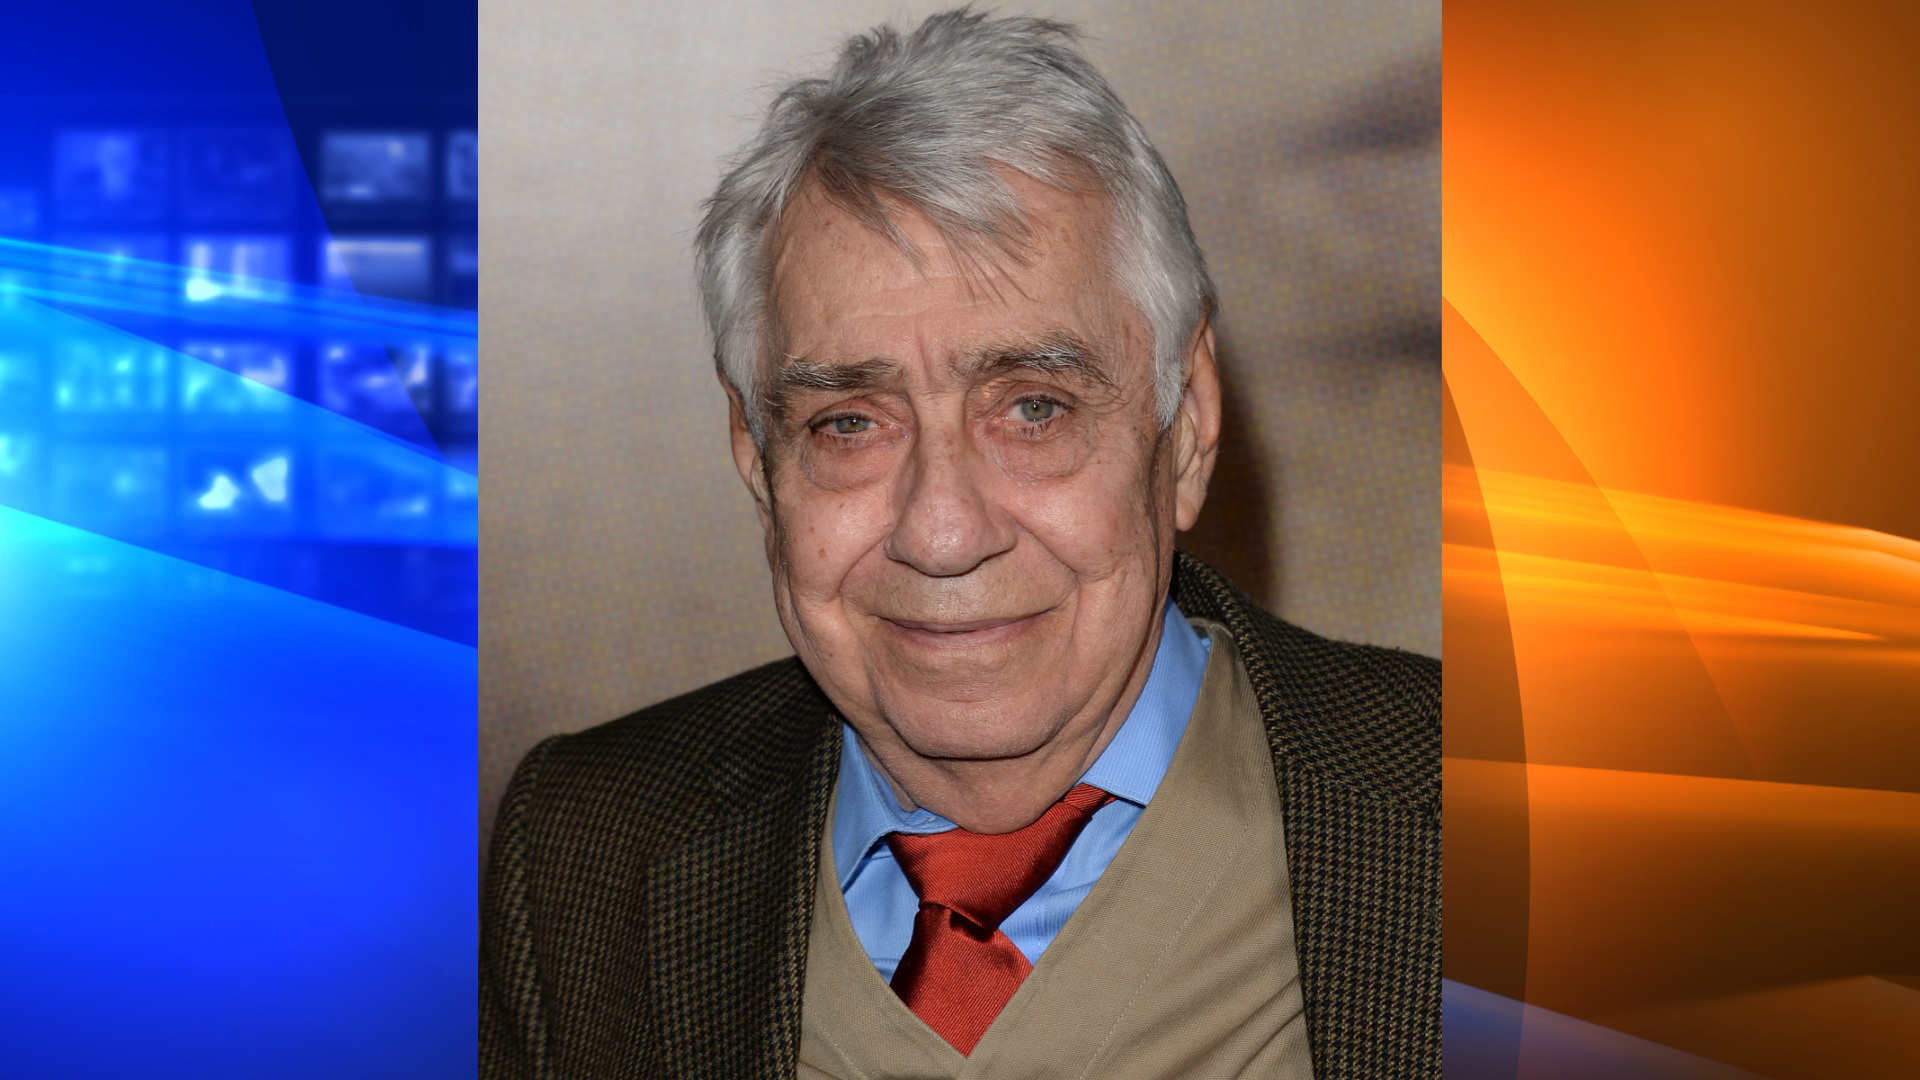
column 1682, row 523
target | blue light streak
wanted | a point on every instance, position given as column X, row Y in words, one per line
column 200, row 299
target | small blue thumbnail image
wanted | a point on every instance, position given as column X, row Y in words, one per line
column 396, row 267
column 242, row 490
column 414, row 364
column 261, row 396
column 122, row 386
column 118, row 174
column 463, row 165
column 375, row 384
column 382, row 494
column 247, row 266
column 235, row 173
column 375, row 168
column 460, row 390
column 463, row 271
column 111, row 487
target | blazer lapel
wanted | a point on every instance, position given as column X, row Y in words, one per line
column 731, row 903
column 1355, row 733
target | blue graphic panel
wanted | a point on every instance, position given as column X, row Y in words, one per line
column 237, row 578
column 113, row 174
column 238, row 822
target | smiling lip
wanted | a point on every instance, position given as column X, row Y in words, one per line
column 963, row 634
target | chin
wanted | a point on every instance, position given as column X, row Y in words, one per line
column 972, row 733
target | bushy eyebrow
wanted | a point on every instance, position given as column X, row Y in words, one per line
column 803, row 374
column 1054, row 353
column 800, row 374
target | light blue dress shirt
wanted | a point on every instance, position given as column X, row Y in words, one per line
column 883, row 904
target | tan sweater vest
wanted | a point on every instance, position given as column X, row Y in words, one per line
column 1179, row 963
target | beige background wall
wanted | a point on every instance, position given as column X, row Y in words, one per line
column 620, row 560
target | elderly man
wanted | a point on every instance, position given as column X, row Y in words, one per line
column 1039, row 795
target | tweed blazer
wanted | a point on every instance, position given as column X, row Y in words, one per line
column 652, row 879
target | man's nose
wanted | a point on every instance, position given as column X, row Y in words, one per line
column 946, row 523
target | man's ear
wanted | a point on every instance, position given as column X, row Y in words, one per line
column 747, row 457
column 1197, row 429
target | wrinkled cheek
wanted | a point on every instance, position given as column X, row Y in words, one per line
column 1095, row 524
column 822, row 539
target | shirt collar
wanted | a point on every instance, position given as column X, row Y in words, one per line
column 1131, row 767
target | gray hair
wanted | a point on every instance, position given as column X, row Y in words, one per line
column 923, row 121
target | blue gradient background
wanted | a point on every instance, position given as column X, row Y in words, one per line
column 238, row 486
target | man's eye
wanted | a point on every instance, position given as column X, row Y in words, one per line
column 850, row 425
column 1035, row 411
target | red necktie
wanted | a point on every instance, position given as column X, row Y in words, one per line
column 959, row 969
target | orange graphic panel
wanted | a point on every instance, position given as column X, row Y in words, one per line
column 1682, row 538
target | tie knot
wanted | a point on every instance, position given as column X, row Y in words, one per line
column 984, row 878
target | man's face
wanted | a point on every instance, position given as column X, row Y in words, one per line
column 970, row 502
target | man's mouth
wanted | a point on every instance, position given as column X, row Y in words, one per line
column 971, row 633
